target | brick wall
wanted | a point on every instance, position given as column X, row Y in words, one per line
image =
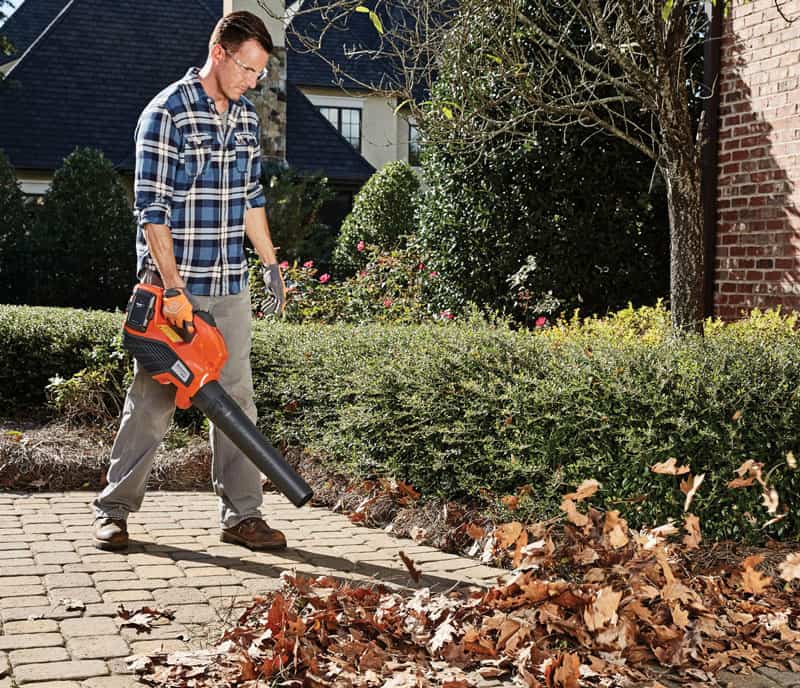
column 757, row 260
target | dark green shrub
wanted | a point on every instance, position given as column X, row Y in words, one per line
column 563, row 224
column 40, row 344
column 293, row 205
column 83, row 240
column 465, row 409
column 14, row 226
column 383, row 214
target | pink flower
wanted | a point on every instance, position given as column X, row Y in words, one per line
column 308, row 264
column 259, row 314
column 387, row 303
column 433, row 273
column 324, row 278
column 360, row 246
column 446, row 314
column 362, row 273
column 283, row 265
column 541, row 321
column 421, row 266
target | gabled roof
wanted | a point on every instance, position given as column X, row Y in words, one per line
column 71, row 91
column 81, row 86
column 314, row 145
column 27, row 22
column 353, row 32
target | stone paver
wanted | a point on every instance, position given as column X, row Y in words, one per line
column 177, row 561
column 81, row 669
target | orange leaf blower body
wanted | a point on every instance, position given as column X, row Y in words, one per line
column 192, row 364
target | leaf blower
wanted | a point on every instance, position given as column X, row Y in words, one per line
column 192, row 360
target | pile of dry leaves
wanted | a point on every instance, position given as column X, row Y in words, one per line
column 590, row 602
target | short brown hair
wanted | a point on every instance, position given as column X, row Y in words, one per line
column 237, row 27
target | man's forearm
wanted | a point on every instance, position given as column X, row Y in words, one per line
column 257, row 229
column 159, row 241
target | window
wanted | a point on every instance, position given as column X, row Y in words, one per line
column 413, row 145
column 347, row 122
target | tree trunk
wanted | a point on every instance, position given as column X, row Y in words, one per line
column 687, row 248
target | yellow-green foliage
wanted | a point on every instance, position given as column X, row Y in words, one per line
column 467, row 409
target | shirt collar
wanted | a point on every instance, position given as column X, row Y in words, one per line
column 196, row 91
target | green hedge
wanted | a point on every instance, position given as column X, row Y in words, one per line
column 41, row 343
column 470, row 410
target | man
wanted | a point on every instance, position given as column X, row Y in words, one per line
column 197, row 194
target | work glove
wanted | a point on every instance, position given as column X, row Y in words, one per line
column 177, row 309
column 276, row 289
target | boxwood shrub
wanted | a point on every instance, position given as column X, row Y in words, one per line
column 474, row 410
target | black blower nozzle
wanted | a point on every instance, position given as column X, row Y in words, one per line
column 228, row 416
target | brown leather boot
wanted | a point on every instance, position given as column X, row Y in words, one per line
column 255, row 534
column 110, row 533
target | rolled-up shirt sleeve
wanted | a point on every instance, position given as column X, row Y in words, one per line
column 255, row 190
column 157, row 145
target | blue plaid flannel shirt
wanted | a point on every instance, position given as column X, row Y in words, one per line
column 198, row 183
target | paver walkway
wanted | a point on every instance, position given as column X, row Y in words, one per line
column 176, row 560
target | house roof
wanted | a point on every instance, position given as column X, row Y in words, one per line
column 355, row 32
column 69, row 91
column 27, row 22
column 330, row 154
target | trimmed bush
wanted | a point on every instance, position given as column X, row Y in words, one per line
column 383, row 214
column 293, row 205
column 83, row 242
column 40, row 344
column 473, row 410
column 14, row 227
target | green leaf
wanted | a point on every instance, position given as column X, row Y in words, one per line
column 667, row 10
column 376, row 22
column 447, row 112
column 362, row 9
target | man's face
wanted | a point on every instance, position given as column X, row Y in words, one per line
column 240, row 69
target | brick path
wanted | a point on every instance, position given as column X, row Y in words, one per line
column 176, row 560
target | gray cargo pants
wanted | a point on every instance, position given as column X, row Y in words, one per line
column 147, row 414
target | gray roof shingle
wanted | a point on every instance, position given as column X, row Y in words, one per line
column 70, row 91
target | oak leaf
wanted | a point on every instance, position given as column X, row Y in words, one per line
column 670, row 467
column 790, row 567
column 585, row 490
column 693, row 536
column 689, row 488
column 573, row 515
column 603, row 610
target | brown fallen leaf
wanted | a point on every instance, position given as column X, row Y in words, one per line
column 693, row 536
column 475, row 531
column 670, row 467
column 770, row 500
column 507, row 534
column 790, row 567
column 573, row 515
column 511, row 502
column 562, row 671
column 412, row 570
column 585, row 490
column 615, row 530
column 603, row 610
column 753, row 581
column 689, row 488
column 680, row 617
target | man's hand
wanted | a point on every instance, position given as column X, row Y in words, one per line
column 273, row 281
column 177, row 309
